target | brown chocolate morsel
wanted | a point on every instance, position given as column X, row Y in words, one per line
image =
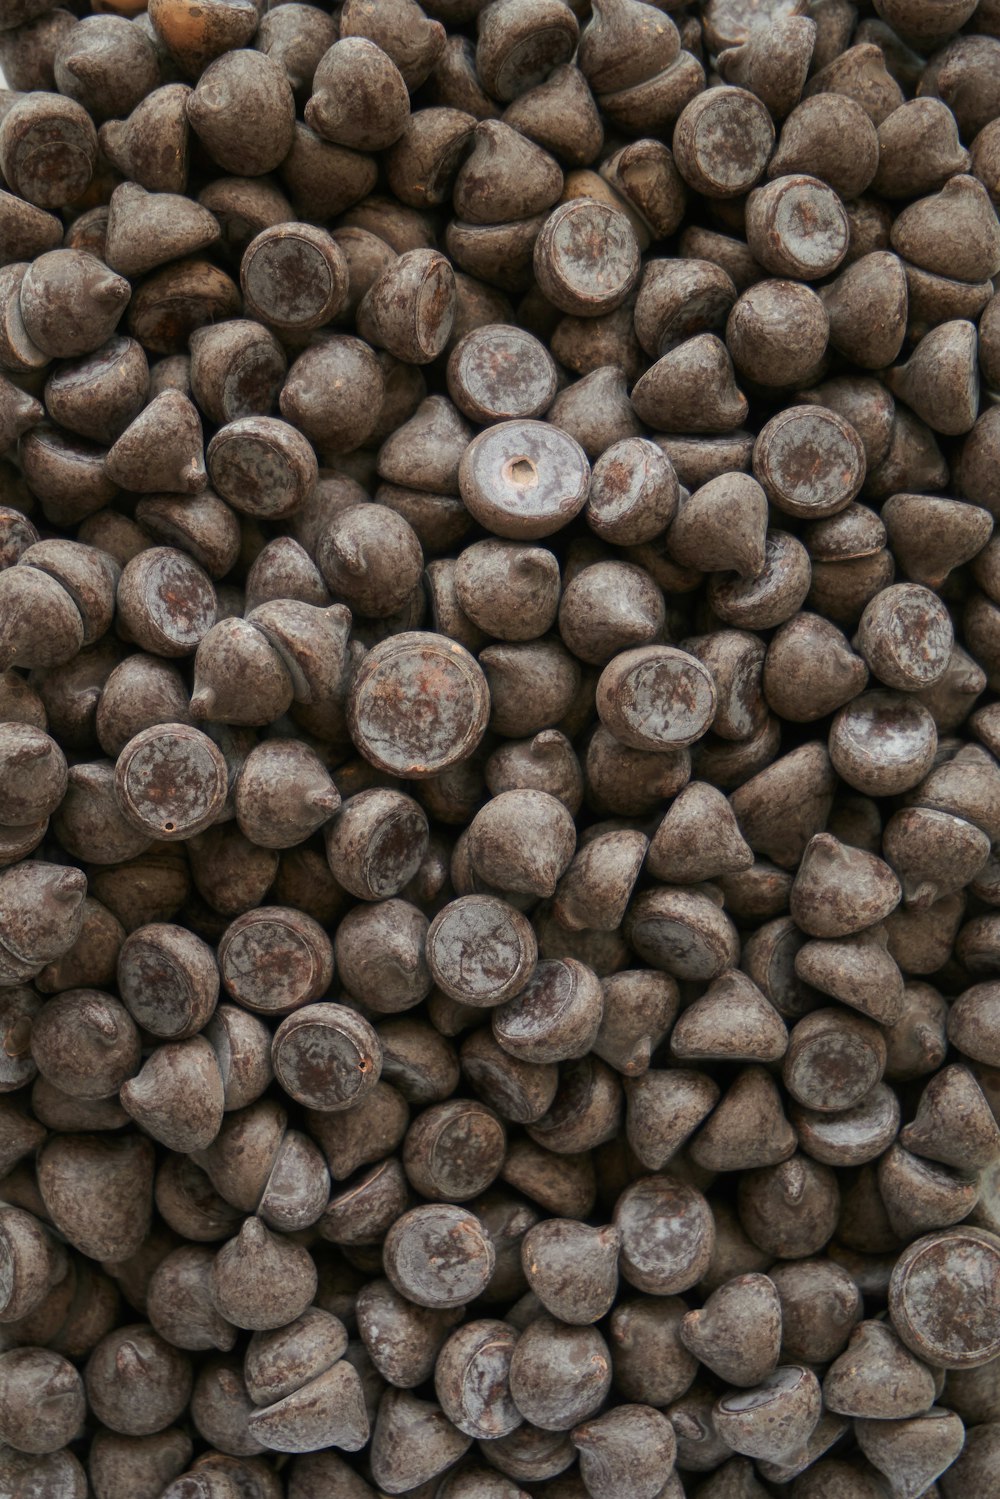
column 952, row 233
column 178, row 1095
column 326, row 1056
column 650, row 1362
column 273, row 960
column 168, row 979
column 455, row 1150
column 934, row 853
column 667, row 1235
column 882, row 742
column 920, row 1195
column 230, row 654
column 796, row 226
column 917, row 1042
column 170, row 781
column 810, row 461
column 401, row 1339
column 656, row 698
column 691, row 388
column 586, row 257
column 722, row 527
column 596, row 888
column 759, row 339
column 877, row 1377
column 359, row 98
column 731, row 1021
column 621, row 46
column 559, row 1374
column 505, row 176
column 42, row 1403
column 283, row 569
column 261, row 466
column 558, row 113
column 747, row 1128
column 839, row 889
column 586, row 1110
column 27, row 231
column 410, row 309
column 790, row 1209
column 633, row 492
column 298, row 41
column 34, row 774
column 913, row 1451
column 438, row 1255
column 682, row 931
column 664, row 1107
column 524, row 479
column 334, row 392
column 954, row 1123
column 820, row 1303
column 419, row 1428
column 608, row 1446
column 65, row 279
column 699, row 142
column 775, row 1420
column 930, row 536
column 679, row 298
column 191, row 1205
column 371, row 558
column 780, row 809
column 453, row 705
column 519, row 1091
column 984, row 162
column 18, row 1009
column 498, row 851
column 85, row 1043
column 136, row 1382
column 772, row 59
column 142, row 1466
column 261, row 1280
column 810, row 669
column 48, row 149
column 471, row 1379
column 940, row 381
column 834, row 1058
column 564, row 1185
column 857, row 969
column 518, row 48
column 831, row 137
column 161, row 450
column 555, row 1016
column 41, row 914
column 220, row 1411
column 639, row 1007
column 139, row 692
column 919, row 149
column 419, row 1061
column 698, row 838
column 375, row 843
column 243, row 111
column 744, row 1312
column 98, row 1191
column 546, row 762
column 480, row 950
column 283, row 794
column 179, row 1302
column 166, row 601
column 236, row 370
column 380, row 955
column 424, row 452
column 931, row 1302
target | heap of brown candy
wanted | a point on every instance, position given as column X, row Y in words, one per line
column 499, row 734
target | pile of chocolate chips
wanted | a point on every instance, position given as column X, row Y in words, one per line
column 499, row 734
